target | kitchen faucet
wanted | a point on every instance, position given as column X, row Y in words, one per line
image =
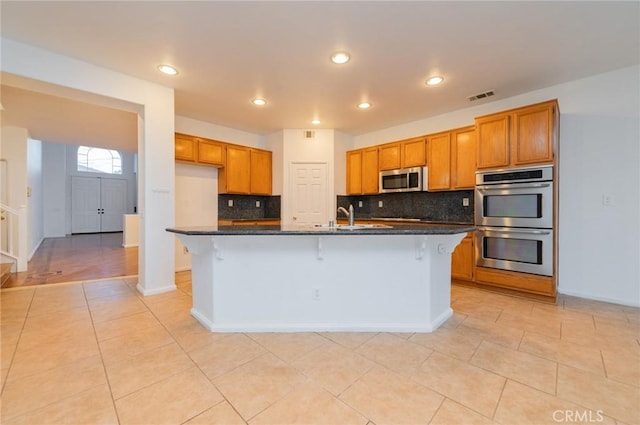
column 349, row 214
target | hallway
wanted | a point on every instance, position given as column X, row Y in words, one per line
column 78, row 257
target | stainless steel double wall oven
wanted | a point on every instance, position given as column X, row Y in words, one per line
column 514, row 216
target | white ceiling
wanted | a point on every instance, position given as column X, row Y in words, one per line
column 230, row 52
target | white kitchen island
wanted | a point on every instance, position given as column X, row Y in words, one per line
column 273, row 279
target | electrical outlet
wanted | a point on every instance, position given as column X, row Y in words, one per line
column 257, row 204
column 230, row 203
column 607, row 200
column 465, row 202
column 315, row 294
column 379, row 204
column 359, row 204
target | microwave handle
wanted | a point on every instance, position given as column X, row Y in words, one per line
column 531, row 232
column 508, row 186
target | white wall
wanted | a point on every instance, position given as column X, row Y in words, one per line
column 342, row 143
column 14, row 150
column 35, row 224
column 275, row 143
column 54, row 202
column 196, row 203
column 599, row 249
column 154, row 105
column 218, row 132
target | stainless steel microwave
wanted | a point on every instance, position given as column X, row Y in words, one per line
column 403, row 180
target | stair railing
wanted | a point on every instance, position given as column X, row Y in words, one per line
column 13, row 235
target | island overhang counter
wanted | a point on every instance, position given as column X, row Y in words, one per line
column 314, row 279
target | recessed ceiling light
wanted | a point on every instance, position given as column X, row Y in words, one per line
column 340, row 57
column 364, row 105
column 315, row 122
column 434, row 81
column 259, row 102
column 167, row 69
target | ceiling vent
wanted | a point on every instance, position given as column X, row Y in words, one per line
column 481, row 95
column 309, row 134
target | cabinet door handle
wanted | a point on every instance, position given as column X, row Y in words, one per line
column 508, row 186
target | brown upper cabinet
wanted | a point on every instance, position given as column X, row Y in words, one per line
column 452, row 159
column 211, row 152
column 199, row 150
column 414, row 152
column 362, row 171
column 463, row 158
column 186, row 148
column 354, row 172
column 246, row 171
column 261, row 164
column 439, row 146
column 403, row 154
column 389, row 156
column 243, row 170
column 519, row 137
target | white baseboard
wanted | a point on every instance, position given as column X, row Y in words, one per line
column 627, row 302
column 33, row 252
column 155, row 291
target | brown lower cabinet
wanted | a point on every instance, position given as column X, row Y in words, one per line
column 463, row 259
column 530, row 283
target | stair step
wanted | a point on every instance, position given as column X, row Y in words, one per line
column 5, row 272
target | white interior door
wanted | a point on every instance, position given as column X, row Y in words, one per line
column 113, row 203
column 309, row 198
column 85, row 204
column 97, row 204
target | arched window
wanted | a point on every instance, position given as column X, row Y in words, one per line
column 97, row 160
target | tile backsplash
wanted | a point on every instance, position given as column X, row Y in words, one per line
column 431, row 206
column 244, row 207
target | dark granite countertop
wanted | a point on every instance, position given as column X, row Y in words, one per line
column 396, row 229
column 412, row 220
column 250, row 219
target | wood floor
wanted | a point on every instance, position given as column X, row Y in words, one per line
column 78, row 258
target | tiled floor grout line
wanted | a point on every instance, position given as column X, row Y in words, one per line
column 195, row 365
column 562, row 329
column 104, row 366
column 13, row 355
column 495, row 409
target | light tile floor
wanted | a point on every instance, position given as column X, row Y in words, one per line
column 99, row 353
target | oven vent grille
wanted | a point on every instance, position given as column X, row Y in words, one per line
column 481, row 95
column 309, row 134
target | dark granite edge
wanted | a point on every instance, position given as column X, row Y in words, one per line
column 250, row 219
column 422, row 229
column 412, row 220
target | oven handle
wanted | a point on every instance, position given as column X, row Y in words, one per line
column 511, row 186
column 530, row 232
